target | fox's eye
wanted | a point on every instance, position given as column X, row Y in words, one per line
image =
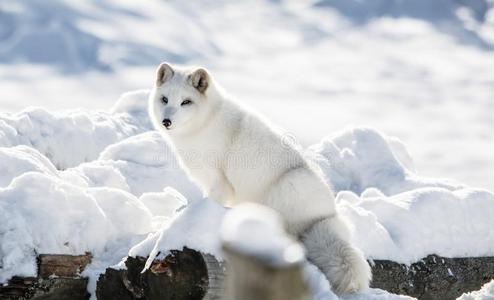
column 164, row 100
column 186, row 102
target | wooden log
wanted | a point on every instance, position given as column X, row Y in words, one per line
column 192, row 275
column 17, row 288
column 61, row 289
column 434, row 277
column 62, row 265
column 185, row 274
column 45, row 289
column 58, row 279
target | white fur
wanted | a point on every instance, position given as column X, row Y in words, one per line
column 236, row 156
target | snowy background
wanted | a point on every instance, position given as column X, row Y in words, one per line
column 419, row 72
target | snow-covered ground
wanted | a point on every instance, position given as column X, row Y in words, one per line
column 419, row 70
column 121, row 170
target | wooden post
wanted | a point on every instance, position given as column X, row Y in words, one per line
column 264, row 263
column 249, row 278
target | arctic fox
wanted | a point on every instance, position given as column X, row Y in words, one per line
column 236, row 156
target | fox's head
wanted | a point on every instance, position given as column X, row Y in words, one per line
column 178, row 101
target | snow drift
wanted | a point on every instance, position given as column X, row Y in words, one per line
column 72, row 180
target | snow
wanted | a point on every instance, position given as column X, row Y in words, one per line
column 411, row 225
column 133, row 175
column 22, row 159
column 395, row 213
column 165, row 203
column 199, row 226
column 71, row 186
column 148, row 164
column 361, row 158
column 196, row 227
column 67, row 139
column 43, row 214
column 99, row 179
column 417, row 70
column 485, row 293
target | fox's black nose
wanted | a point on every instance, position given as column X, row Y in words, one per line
column 167, row 123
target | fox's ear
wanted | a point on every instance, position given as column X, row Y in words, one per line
column 200, row 80
column 164, row 73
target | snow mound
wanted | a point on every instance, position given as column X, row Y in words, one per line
column 411, row 225
column 77, row 181
column 396, row 214
column 485, row 293
column 86, row 207
column 359, row 158
column 134, row 103
column 43, row 214
column 199, row 226
column 196, row 227
column 67, row 138
column 18, row 160
column 166, row 203
column 148, row 164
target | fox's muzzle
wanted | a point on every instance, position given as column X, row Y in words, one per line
column 167, row 123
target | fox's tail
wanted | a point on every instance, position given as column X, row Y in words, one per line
column 328, row 247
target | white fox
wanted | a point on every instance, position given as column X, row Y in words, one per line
column 236, row 156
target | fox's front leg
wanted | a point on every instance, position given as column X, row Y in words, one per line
column 221, row 190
